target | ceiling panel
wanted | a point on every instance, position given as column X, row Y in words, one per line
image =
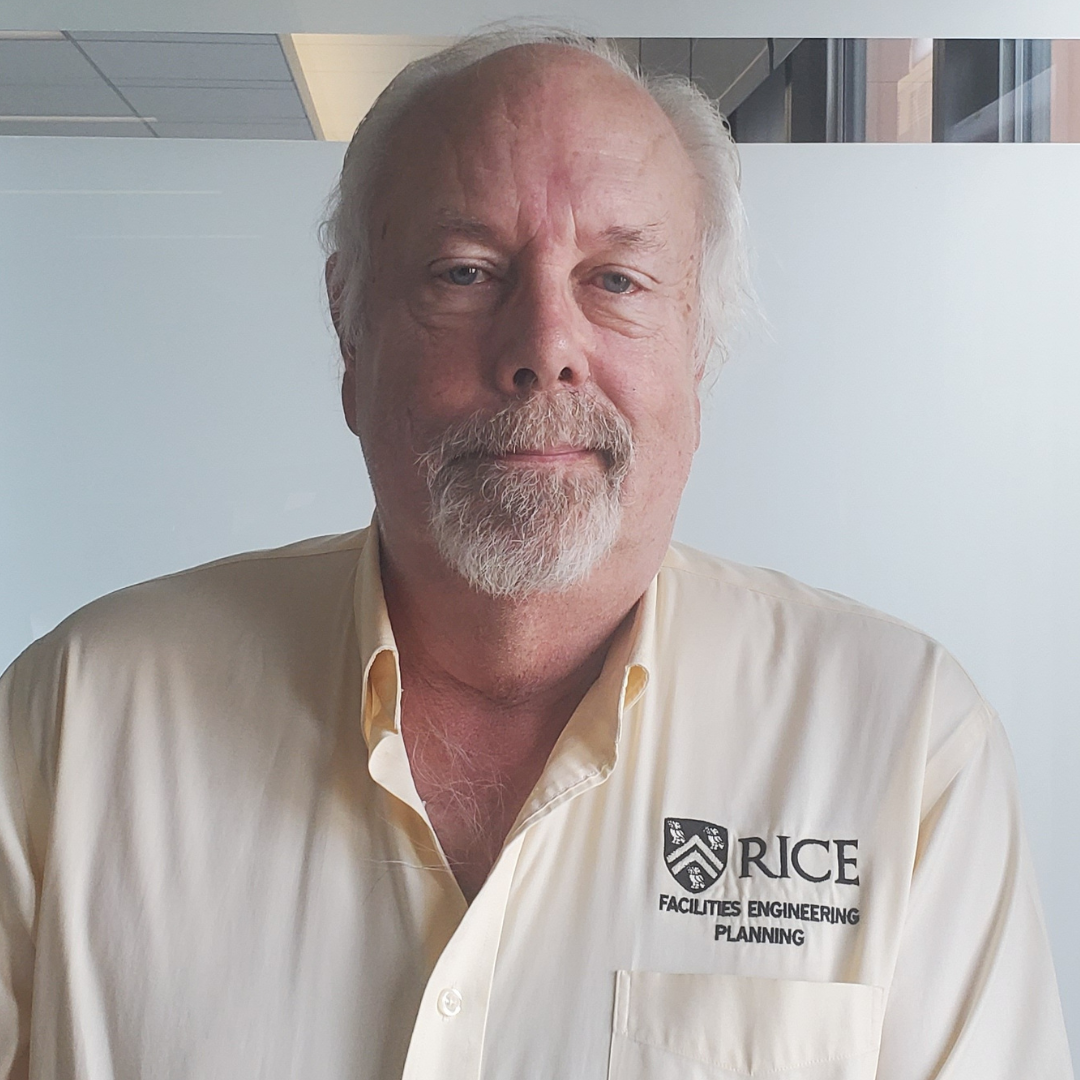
column 97, row 99
column 199, row 103
column 184, row 85
column 42, row 63
column 52, row 78
column 139, row 60
column 222, row 39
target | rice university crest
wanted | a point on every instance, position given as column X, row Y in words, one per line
column 695, row 852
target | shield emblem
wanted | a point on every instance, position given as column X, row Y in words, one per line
column 695, row 852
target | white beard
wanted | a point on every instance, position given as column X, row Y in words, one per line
column 510, row 529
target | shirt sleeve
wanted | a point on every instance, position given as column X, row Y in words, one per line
column 973, row 995
column 24, row 692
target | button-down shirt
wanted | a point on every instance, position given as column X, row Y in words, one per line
column 779, row 835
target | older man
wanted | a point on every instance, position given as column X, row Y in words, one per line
column 503, row 786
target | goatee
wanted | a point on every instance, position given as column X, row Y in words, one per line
column 511, row 528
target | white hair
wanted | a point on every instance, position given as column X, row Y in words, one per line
column 510, row 531
column 723, row 278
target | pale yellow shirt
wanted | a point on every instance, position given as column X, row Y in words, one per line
column 779, row 837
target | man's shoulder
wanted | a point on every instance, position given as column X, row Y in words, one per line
column 699, row 569
column 714, row 603
column 264, row 594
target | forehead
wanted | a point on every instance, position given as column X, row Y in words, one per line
column 538, row 136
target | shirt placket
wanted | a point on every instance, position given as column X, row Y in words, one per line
column 448, row 1036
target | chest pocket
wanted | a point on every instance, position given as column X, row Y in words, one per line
column 712, row 1027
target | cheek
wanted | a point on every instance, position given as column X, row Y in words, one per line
column 438, row 360
column 655, row 388
column 665, row 426
column 384, row 386
column 408, row 389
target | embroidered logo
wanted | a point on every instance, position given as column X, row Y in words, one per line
column 695, row 852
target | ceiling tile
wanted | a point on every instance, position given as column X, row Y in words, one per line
column 146, row 61
column 199, row 103
column 43, row 63
column 98, row 99
column 224, row 39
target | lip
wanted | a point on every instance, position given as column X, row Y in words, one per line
column 549, row 454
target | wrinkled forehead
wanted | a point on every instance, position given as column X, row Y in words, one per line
column 548, row 84
column 538, row 126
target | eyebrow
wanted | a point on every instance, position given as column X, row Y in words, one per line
column 448, row 221
column 643, row 237
column 639, row 237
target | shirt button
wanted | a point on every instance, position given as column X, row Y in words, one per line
column 449, row 1002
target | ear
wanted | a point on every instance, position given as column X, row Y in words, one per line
column 348, row 352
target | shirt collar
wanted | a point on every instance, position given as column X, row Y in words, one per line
column 369, row 605
column 381, row 699
column 588, row 747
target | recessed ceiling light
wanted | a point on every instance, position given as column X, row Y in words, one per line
column 339, row 76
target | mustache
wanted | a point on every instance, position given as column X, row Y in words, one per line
column 563, row 418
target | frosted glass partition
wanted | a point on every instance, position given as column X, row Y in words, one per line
column 905, row 428
column 168, row 384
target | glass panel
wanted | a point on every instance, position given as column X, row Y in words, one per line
column 899, row 89
column 1065, row 91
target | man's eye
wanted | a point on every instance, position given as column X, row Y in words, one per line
column 614, row 282
column 464, row 275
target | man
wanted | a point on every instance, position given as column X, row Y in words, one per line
column 504, row 786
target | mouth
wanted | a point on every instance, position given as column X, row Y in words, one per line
column 548, row 455
column 545, row 438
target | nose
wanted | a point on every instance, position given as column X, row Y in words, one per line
column 542, row 340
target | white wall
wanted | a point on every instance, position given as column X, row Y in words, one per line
column 909, row 435
column 615, row 18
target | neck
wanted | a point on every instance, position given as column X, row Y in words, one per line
column 488, row 684
column 520, row 652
